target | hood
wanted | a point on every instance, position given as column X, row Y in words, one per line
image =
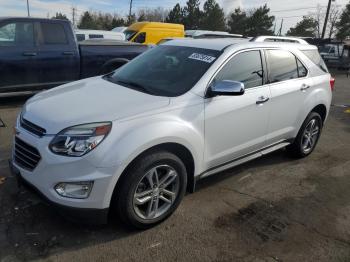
column 87, row 101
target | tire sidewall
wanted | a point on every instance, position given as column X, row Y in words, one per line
column 136, row 173
column 317, row 117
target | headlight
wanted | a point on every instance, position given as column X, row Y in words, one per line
column 79, row 140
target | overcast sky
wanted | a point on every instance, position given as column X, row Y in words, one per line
column 290, row 10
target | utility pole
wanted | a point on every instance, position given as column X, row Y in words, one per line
column 28, row 8
column 73, row 15
column 130, row 9
column 326, row 18
column 280, row 31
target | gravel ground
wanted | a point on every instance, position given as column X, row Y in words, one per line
column 271, row 209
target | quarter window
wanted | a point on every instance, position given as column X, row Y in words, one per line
column 302, row 71
column 53, row 34
column 19, row 33
column 244, row 67
column 282, row 65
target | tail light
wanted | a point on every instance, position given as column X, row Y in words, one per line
column 332, row 82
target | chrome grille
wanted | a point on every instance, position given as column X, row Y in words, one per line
column 26, row 155
column 32, row 128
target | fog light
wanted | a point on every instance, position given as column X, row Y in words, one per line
column 74, row 190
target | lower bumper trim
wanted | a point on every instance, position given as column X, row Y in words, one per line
column 90, row 216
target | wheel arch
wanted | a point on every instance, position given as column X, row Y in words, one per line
column 177, row 149
column 321, row 109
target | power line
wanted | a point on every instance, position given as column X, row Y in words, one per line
column 297, row 9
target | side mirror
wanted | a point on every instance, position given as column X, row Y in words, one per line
column 226, row 88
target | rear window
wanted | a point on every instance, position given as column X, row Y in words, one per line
column 316, row 58
column 80, row 37
column 94, row 36
column 53, row 34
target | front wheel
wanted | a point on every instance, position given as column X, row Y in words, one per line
column 151, row 189
column 308, row 136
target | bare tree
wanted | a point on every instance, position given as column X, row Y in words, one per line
column 334, row 15
column 158, row 14
column 319, row 16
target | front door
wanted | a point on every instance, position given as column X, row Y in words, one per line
column 237, row 125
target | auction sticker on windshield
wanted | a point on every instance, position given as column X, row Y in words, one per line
column 203, row 58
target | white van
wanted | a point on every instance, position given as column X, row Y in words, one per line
column 98, row 34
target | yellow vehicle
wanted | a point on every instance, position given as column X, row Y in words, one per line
column 153, row 32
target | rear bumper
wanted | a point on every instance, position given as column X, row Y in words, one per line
column 81, row 215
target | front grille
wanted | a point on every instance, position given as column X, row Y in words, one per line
column 26, row 155
column 32, row 128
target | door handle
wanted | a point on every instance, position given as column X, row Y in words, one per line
column 29, row 54
column 262, row 100
column 304, row 87
column 67, row 53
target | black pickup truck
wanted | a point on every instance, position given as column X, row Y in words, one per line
column 42, row 53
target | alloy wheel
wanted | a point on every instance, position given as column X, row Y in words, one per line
column 310, row 135
column 156, row 192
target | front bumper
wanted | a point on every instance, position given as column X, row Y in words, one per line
column 53, row 169
column 82, row 215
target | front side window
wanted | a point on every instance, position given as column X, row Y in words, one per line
column 53, row 34
column 244, row 67
column 129, row 34
column 20, row 33
column 165, row 70
column 282, row 65
column 140, row 38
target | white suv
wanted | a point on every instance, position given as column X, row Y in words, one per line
column 136, row 139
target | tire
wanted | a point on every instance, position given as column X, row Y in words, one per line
column 304, row 144
column 141, row 178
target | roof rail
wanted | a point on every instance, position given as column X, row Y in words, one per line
column 279, row 39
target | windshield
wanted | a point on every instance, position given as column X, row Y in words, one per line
column 129, row 34
column 165, row 70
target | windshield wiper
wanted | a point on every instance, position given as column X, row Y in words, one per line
column 134, row 85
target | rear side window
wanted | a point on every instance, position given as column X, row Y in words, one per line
column 53, row 34
column 94, row 36
column 282, row 65
column 245, row 67
column 316, row 58
column 80, row 37
column 19, row 33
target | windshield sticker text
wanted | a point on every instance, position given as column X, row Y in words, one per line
column 203, row 58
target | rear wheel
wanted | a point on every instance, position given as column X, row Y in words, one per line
column 151, row 190
column 308, row 136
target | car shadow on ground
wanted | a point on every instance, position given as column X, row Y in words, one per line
column 32, row 229
column 274, row 158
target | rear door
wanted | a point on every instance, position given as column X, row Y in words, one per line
column 58, row 56
column 18, row 56
column 289, row 86
column 237, row 125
